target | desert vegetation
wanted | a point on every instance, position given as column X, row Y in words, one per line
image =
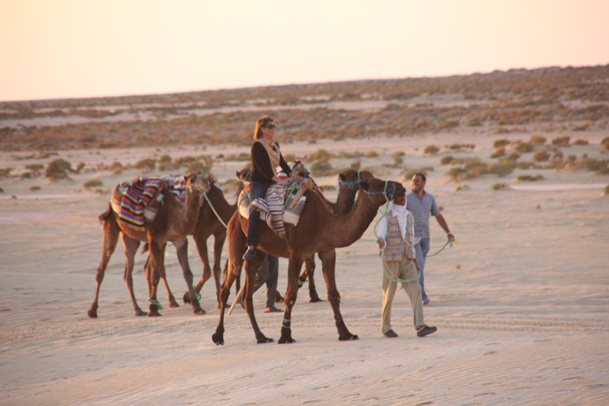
column 498, row 102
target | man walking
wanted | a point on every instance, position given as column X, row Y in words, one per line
column 396, row 236
column 421, row 204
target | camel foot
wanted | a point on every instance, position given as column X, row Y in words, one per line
column 286, row 338
column 93, row 311
column 218, row 338
column 172, row 303
column 186, row 298
column 314, row 297
column 348, row 337
column 154, row 311
column 198, row 311
column 140, row 312
column 262, row 340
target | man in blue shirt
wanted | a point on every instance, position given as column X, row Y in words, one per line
column 421, row 204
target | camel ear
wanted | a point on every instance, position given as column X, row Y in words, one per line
column 342, row 175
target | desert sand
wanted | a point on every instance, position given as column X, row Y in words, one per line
column 521, row 302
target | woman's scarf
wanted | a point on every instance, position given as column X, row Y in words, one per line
column 272, row 149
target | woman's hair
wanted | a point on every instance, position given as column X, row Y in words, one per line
column 261, row 122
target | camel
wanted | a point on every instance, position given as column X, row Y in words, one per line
column 213, row 217
column 171, row 224
column 348, row 182
column 348, row 185
column 317, row 231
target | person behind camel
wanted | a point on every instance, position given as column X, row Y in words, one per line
column 396, row 236
column 421, row 204
column 266, row 156
column 269, row 274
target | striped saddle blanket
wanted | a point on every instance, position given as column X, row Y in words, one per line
column 276, row 208
column 137, row 201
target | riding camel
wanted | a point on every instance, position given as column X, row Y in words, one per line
column 173, row 222
column 317, row 231
column 348, row 185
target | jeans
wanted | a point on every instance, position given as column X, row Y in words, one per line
column 256, row 190
column 422, row 249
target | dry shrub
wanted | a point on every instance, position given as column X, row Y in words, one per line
column 561, row 141
column 541, row 156
column 58, row 169
column 501, row 143
column 147, row 163
column 498, row 186
column 529, row 178
column 431, row 150
column 446, row 160
column 538, row 139
column 93, row 183
column 499, row 152
column 580, row 142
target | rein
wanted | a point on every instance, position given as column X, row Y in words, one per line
column 214, row 210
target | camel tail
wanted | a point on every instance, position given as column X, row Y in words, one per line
column 105, row 216
column 145, row 248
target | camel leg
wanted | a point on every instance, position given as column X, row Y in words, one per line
column 236, row 247
column 206, row 274
column 131, row 247
column 217, row 268
column 109, row 241
column 170, row 298
column 308, row 273
column 154, row 271
column 294, row 267
column 182, row 249
column 328, row 261
column 251, row 270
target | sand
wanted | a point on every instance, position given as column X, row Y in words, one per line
column 521, row 302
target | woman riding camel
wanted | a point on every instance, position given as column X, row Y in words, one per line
column 266, row 156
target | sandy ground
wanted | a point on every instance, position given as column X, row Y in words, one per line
column 521, row 302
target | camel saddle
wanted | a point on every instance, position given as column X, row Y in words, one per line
column 136, row 202
column 282, row 204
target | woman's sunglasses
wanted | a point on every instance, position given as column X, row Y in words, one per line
column 271, row 126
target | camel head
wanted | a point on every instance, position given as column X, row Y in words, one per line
column 244, row 174
column 351, row 178
column 198, row 182
column 381, row 191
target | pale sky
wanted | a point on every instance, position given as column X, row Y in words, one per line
column 89, row 48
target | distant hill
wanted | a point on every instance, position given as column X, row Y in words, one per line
column 546, row 99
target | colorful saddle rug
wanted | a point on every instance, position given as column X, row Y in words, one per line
column 277, row 209
column 137, row 201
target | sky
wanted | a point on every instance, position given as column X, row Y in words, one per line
column 93, row 48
